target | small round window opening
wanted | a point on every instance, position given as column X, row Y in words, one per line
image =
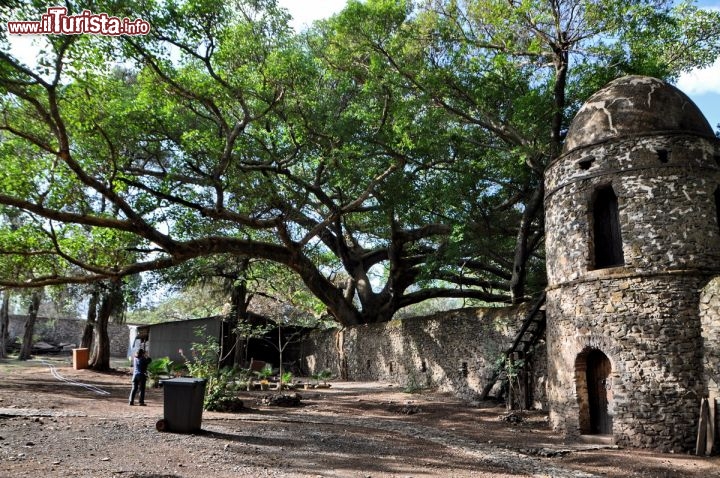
column 585, row 163
column 663, row 155
column 464, row 369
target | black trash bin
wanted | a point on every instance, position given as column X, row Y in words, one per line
column 183, row 405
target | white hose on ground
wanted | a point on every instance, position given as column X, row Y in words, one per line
column 56, row 374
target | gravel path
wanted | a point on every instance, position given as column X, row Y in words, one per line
column 54, row 422
column 485, row 454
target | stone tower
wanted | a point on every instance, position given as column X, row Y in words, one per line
column 633, row 236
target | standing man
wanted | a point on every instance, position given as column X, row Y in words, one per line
column 139, row 379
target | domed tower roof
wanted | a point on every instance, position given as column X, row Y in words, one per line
column 635, row 105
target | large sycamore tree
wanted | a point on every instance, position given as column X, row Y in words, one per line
column 389, row 155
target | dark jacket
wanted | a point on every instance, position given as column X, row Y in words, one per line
column 140, row 366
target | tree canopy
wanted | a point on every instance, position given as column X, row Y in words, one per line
column 389, row 155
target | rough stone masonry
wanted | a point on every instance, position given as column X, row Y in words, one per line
column 632, row 239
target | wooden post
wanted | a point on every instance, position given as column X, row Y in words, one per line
column 706, row 432
column 712, row 425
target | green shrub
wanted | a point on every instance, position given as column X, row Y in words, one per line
column 220, row 384
column 220, row 393
column 160, row 366
column 265, row 373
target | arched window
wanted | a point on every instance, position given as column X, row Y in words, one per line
column 606, row 230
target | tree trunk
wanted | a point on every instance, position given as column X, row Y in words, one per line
column 111, row 303
column 560, row 50
column 535, row 205
column 522, row 252
column 340, row 347
column 26, row 350
column 4, row 323
column 280, row 353
column 239, row 313
column 330, row 295
column 87, row 337
column 234, row 345
column 100, row 356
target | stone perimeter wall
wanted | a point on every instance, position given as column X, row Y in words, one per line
column 57, row 331
column 452, row 351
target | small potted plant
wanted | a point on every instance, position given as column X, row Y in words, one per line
column 286, row 380
column 264, row 375
column 325, row 375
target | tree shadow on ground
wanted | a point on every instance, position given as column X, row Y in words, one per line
column 152, row 475
column 343, row 447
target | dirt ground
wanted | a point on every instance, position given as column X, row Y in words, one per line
column 56, row 421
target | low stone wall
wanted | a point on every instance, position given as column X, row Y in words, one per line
column 454, row 351
column 70, row 331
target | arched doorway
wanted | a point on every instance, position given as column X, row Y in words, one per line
column 593, row 369
column 598, row 380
